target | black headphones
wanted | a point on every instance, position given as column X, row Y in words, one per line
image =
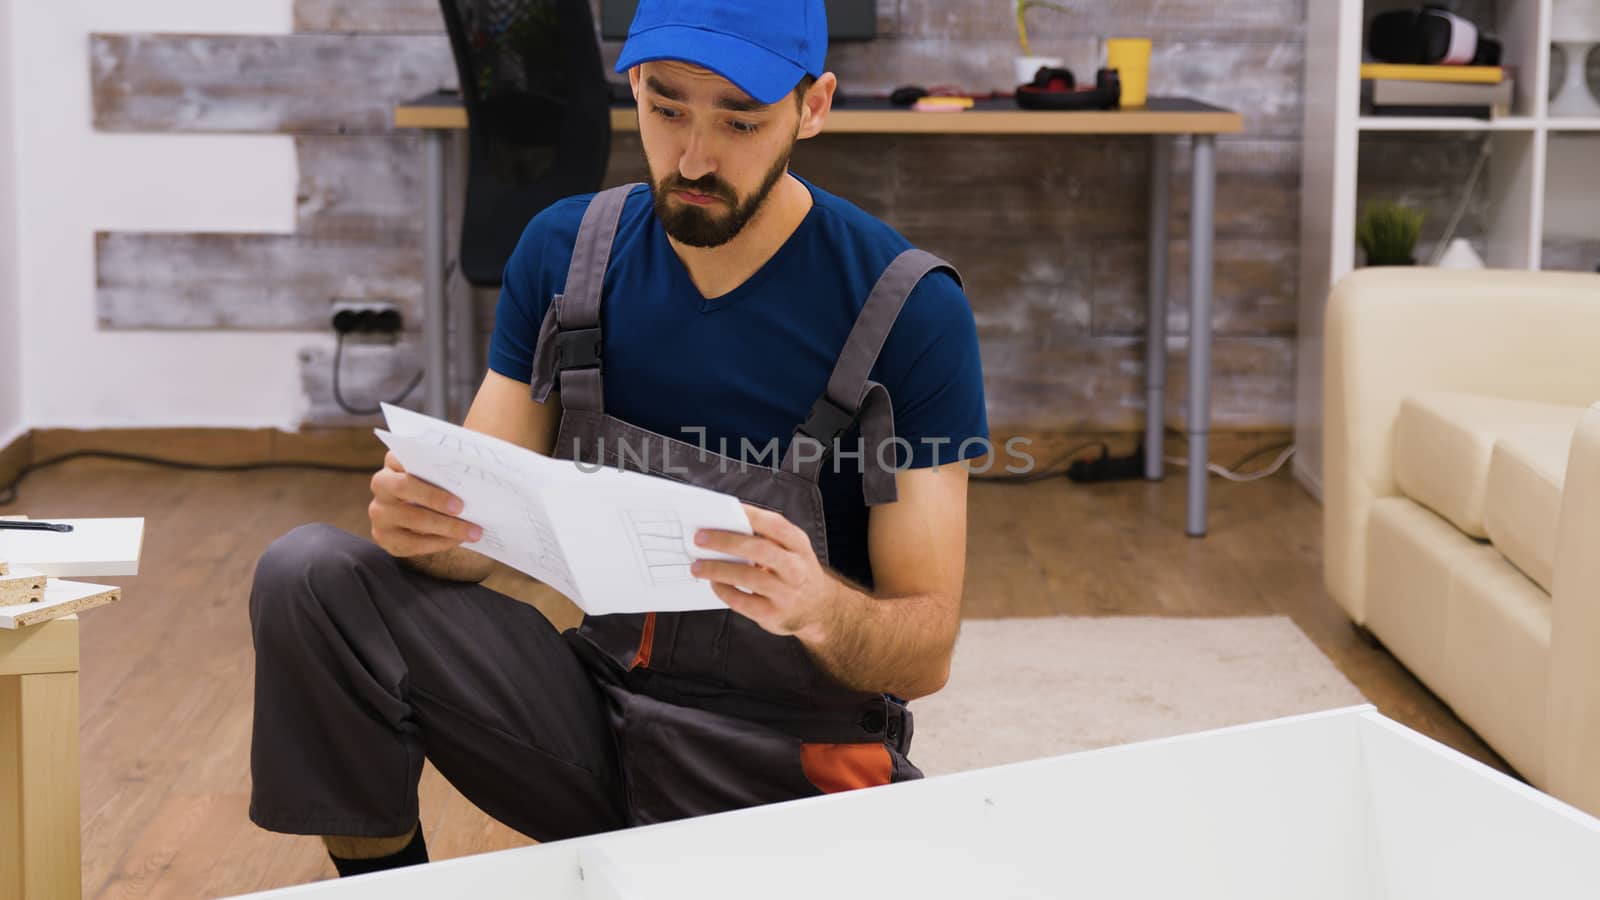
column 1056, row 89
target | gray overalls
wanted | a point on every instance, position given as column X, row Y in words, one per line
column 363, row 666
column 721, row 661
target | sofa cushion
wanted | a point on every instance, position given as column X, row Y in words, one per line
column 1497, row 654
column 1411, row 558
column 1522, row 504
column 1443, row 442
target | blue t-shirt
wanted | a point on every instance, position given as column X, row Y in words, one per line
column 750, row 363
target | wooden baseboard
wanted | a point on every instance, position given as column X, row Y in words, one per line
column 1228, row 448
column 360, row 447
column 14, row 457
column 218, row 446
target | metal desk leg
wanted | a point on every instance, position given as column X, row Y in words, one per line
column 435, row 331
column 1202, row 227
column 1155, row 405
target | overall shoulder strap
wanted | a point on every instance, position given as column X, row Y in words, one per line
column 567, row 356
column 851, row 394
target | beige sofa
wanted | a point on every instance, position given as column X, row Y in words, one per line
column 1462, row 499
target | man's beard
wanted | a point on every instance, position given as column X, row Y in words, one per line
column 702, row 227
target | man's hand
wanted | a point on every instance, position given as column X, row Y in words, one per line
column 790, row 592
column 897, row 639
column 411, row 517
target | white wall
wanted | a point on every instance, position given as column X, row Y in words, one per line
column 73, row 181
column 10, row 366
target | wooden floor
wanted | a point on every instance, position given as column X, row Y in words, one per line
column 166, row 682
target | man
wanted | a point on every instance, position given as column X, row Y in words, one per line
column 718, row 307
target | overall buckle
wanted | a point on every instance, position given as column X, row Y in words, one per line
column 579, row 348
column 827, row 421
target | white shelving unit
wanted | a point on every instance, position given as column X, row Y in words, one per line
column 1516, row 174
column 1402, row 123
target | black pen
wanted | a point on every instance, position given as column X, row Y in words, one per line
column 30, row 525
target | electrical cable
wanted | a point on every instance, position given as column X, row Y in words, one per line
column 338, row 356
column 1288, row 451
column 1461, row 208
column 1174, row 432
column 1270, row 448
column 9, row 493
column 1229, row 473
column 1046, row 472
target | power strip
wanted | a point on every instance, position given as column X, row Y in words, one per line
column 1109, row 468
column 370, row 317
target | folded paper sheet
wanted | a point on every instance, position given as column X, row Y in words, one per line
column 612, row 541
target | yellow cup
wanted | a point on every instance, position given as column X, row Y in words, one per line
column 1131, row 58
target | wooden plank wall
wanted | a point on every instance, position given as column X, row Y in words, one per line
column 1049, row 233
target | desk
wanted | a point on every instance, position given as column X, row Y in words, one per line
column 39, row 836
column 1162, row 120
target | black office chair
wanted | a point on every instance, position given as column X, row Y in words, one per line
column 539, row 116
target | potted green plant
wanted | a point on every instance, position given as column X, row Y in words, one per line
column 1027, row 63
column 1388, row 233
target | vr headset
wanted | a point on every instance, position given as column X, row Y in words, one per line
column 1430, row 36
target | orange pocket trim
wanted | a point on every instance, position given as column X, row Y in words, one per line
column 845, row 767
column 647, row 642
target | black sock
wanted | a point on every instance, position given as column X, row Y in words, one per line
column 414, row 854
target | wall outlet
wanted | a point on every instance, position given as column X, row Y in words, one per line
column 366, row 317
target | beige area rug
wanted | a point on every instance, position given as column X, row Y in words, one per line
column 1024, row 689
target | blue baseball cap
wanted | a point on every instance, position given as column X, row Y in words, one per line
column 763, row 47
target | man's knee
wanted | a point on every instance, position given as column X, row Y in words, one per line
column 300, row 570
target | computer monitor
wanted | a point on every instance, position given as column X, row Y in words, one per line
column 848, row 20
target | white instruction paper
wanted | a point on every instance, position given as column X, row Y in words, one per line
column 612, row 541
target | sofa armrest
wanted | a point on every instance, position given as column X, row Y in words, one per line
column 1573, row 747
column 1393, row 332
